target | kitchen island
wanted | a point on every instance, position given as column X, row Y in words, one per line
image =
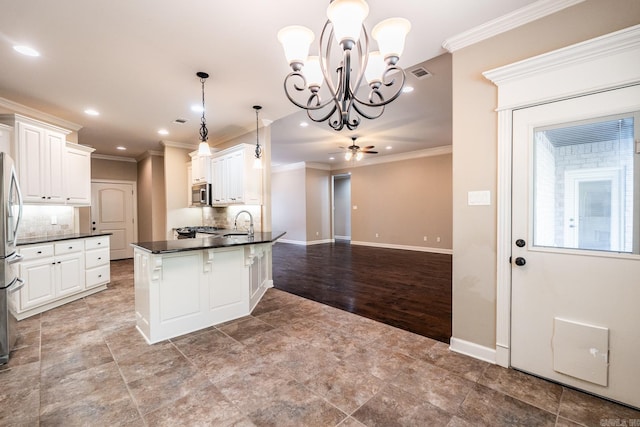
column 185, row 285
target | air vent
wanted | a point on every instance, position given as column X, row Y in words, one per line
column 421, row 73
column 180, row 121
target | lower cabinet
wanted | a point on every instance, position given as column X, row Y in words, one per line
column 178, row 293
column 57, row 273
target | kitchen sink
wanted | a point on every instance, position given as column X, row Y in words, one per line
column 235, row 233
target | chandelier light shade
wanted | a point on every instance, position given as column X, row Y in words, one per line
column 203, row 147
column 339, row 103
column 257, row 162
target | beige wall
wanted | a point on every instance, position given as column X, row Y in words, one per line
column 114, row 170
column 176, row 190
column 475, row 141
column 318, row 204
column 402, row 202
column 288, row 200
column 151, row 199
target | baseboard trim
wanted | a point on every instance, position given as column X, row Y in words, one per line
column 305, row 243
column 404, row 247
column 474, row 350
column 342, row 237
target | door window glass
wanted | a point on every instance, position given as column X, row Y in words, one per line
column 586, row 186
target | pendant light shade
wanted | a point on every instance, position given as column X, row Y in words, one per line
column 347, row 17
column 296, row 40
column 390, row 35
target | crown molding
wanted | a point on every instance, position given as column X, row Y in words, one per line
column 320, row 166
column 288, row 167
column 39, row 115
column 507, row 22
column 183, row 145
column 112, row 158
column 427, row 152
column 150, row 153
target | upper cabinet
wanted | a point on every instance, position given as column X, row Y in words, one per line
column 78, row 183
column 40, row 159
column 50, row 170
column 234, row 179
column 200, row 169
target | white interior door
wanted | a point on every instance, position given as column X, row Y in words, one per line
column 575, row 251
column 112, row 211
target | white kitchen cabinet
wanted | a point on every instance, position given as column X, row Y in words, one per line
column 39, row 274
column 235, row 180
column 6, row 138
column 181, row 292
column 40, row 159
column 200, row 169
column 77, row 175
column 98, row 271
column 60, row 272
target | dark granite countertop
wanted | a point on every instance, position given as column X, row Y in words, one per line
column 57, row 238
column 213, row 242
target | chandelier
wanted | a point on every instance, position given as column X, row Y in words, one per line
column 203, row 147
column 345, row 24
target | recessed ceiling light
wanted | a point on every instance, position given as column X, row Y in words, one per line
column 91, row 112
column 26, row 50
column 332, row 158
column 407, row 89
column 196, row 108
column 389, row 147
column 121, row 148
column 304, row 124
column 163, row 132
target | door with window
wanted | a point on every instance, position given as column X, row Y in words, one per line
column 576, row 246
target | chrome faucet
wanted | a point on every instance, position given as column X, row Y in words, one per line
column 235, row 222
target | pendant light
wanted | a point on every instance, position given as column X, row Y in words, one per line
column 203, row 147
column 257, row 162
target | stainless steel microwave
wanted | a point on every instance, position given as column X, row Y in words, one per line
column 201, row 194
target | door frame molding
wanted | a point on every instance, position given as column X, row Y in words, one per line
column 134, row 204
column 596, row 65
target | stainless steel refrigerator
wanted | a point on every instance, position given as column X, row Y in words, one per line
column 10, row 215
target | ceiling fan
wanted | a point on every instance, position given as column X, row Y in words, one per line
column 355, row 151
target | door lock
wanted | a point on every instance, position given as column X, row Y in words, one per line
column 520, row 261
column 520, row 243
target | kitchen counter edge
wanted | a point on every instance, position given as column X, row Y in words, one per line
column 214, row 242
column 57, row 238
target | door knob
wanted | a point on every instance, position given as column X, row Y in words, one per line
column 520, row 243
column 520, row 261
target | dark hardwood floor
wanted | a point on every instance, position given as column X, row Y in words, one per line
column 407, row 289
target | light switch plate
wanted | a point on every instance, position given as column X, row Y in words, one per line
column 479, row 198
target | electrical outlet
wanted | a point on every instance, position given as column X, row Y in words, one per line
column 377, row 235
column 438, row 239
column 355, row 207
column 54, row 220
column 425, row 238
column 317, row 233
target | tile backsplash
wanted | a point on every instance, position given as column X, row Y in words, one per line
column 223, row 217
column 37, row 221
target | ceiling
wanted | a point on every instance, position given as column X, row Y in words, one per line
column 136, row 63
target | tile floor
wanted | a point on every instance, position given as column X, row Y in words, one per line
column 293, row 362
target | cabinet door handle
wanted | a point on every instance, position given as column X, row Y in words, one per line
column 99, row 276
column 99, row 258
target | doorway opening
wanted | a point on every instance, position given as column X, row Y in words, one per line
column 342, row 207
